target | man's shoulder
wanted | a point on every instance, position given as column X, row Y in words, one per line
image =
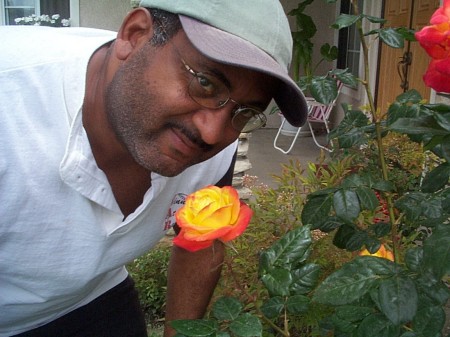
column 28, row 45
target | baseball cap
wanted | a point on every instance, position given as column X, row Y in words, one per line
column 253, row 34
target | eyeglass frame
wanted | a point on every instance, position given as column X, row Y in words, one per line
column 257, row 114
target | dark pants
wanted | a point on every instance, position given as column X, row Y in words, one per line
column 116, row 313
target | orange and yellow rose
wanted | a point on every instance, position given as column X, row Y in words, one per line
column 209, row 214
column 435, row 39
column 381, row 252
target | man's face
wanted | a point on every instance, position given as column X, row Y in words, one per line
column 164, row 129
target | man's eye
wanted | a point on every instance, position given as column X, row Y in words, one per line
column 206, row 84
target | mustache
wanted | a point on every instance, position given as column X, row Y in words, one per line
column 194, row 137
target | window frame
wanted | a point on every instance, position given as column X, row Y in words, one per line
column 74, row 12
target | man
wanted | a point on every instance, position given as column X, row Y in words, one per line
column 100, row 139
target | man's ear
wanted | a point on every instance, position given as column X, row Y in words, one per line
column 135, row 31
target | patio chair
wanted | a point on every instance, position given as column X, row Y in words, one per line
column 317, row 113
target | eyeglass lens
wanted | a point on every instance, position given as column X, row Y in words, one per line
column 208, row 91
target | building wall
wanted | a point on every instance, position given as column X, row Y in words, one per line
column 103, row 14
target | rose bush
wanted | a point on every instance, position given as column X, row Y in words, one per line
column 209, row 214
column 366, row 207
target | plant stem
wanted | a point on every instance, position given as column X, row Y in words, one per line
column 252, row 299
column 378, row 130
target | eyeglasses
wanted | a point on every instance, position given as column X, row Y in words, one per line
column 210, row 92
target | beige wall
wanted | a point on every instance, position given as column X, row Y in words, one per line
column 103, row 14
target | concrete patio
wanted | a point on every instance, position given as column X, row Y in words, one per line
column 265, row 160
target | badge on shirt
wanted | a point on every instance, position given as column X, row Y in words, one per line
column 177, row 202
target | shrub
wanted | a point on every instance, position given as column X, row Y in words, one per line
column 149, row 273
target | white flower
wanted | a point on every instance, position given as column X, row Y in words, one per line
column 65, row 22
column 55, row 16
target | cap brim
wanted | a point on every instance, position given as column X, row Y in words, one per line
column 227, row 48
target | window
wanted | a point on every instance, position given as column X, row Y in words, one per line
column 20, row 8
column 348, row 42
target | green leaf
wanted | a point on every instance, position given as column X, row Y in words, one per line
column 343, row 326
column 294, row 247
column 226, row 308
column 195, row 327
column 418, row 125
column 329, row 53
column 375, row 19
column 414, row 258
column 381, row 229
column 429, row 321
column 437, row 178
column 367, row 198
column 377, row 325
column 346, row 77
column 323, row 89
column 316, row 210
column 352, row 313
column 352, row 239
column 353, row 280
column 273, row 307
column 304, row 279
column 436, row 251
column 345, row 20
column 297, row 304
column 277, row 282
column 392, row 37
column 411, row 96
column 246, row 325
column 343, row 235
column 346, row 204
column 398, row 299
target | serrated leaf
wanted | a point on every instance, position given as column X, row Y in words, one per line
column 367, row 198
column 346, row 204
column 377, row 325
column 304, row 279
column 436, row 251
column 398, row 299
column 316, row 210
column 277, row 282
column 273, row 307
column 343, row 326
column 195, row 327
column 436, row 179
column 352, row 313
column 294, row 247
column 297, row 304
column 353, row 280
column 418, row 126
column 410, row 96
column 429, row 321
column 381, row 229
column 413, row 258
column 226, row 308
column 246, row 325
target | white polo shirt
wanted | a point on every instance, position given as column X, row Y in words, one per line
column 63, row 240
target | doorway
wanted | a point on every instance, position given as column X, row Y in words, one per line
column 402, row 69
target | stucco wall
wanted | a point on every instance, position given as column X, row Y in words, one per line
column 103, row 14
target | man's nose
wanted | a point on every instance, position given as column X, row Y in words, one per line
column 214, row 125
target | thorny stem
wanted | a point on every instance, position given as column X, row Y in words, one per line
column 378, row 130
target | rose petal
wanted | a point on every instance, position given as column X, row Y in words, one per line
column 210, row 235
column 244, row 218
column 436, row 78
column 190, row 245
